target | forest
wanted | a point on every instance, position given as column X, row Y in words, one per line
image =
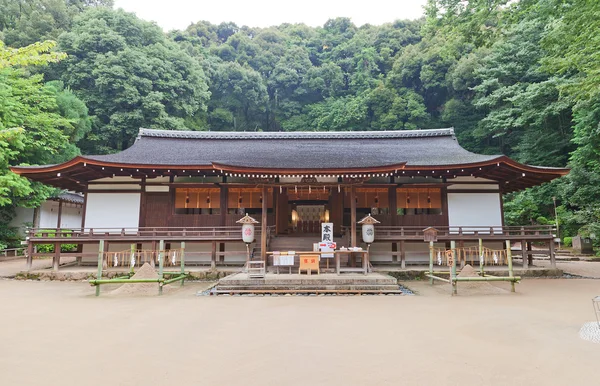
column 520, row 78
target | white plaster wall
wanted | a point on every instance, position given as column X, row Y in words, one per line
column 70, row 216
column 477, row 209
column 112, row 210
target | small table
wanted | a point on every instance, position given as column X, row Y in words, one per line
column 338, row 268
column 365, row 262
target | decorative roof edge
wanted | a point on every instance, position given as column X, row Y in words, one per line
column 295, row 134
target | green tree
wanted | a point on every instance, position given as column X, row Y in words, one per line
column 130, row 76
column 38, row 125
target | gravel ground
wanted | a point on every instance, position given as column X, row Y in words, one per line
column 11, row 267
column 587, row 269
column 58, row 333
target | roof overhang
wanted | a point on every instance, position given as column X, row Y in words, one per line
column 76, row 173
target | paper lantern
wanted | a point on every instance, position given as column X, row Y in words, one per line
column 368, row 228
column 247, row 228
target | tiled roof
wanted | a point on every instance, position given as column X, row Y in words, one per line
column 296, row 150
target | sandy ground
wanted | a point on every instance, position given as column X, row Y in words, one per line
column 58, row 333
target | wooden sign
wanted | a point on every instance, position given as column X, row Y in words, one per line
column 327, row 232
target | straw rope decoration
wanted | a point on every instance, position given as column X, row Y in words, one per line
column 471, row 254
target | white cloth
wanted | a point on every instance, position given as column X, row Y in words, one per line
column 116, row 260
column 439, row 258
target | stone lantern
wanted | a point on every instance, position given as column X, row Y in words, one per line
column 368, row 229
column 247, row 232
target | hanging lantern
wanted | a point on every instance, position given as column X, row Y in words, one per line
column 368, row 228
column 247, row 228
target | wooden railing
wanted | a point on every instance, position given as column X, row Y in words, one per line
column 445, row 233
column 73, row 235
column 12, row 253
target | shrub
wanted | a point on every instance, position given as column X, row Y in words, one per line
column 49, row 248
column 568, row 241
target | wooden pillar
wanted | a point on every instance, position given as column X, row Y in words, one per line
column 224, row 203
column 263, row 226
column 529, row 253
column 213, row 255
column 353, row 216
column 461, row 252
column 524, row 254
column 56, row 259
column 552, row 254
column 59, row 216
column 402, row 254
column 393, row 205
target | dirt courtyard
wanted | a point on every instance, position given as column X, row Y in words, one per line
column 58, row 333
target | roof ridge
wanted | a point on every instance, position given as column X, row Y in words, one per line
column 295, row 134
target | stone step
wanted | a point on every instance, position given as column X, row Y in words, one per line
column 291, row 288
column 305, row 282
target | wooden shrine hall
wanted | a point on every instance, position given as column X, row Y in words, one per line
column 193, row 186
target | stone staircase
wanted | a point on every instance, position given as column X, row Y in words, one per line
column 325, row 283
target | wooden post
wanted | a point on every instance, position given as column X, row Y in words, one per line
column 29, row 254
column 56, row 258
column 132, row 256
column 213, row 255
column 453, row 278
column 481, row 258
column 353, row 216
column 59, row 216
column 461, row 253
column 510, row 265
column 529, row 253
column 552, row 254
column 263, row 226
column 161, row 262
column 100, row 262
column 153, row 253
column 402, row 254
column 182, row 259
column 524, row 254
column 431, row 262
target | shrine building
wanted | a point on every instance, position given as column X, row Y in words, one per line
column 192, row 187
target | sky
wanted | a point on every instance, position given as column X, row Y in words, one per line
column 178, row 14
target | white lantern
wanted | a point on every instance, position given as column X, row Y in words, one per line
column 247, row 228
column 368, row 229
